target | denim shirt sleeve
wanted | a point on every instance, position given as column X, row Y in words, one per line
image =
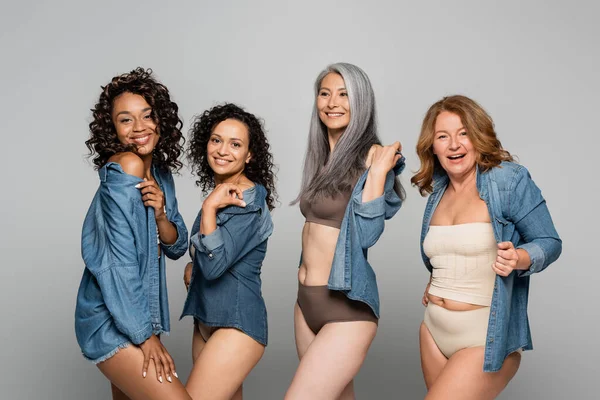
column 176, row 250
column 113, row 261
column 529, row 213
column 216, row 252
column 370, row 216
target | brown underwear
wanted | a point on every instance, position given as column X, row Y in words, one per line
column 205, row 331
column 320, row 306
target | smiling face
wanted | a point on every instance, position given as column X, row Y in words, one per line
column 228, row 149
column 132, row 117
column 452, row 146
column 333, row 104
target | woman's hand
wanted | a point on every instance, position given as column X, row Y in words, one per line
column 155, row 351
column 385, row 158
column 187, row 275
column 223, row 195
column 425, row 299
column 506, row 260
column 153, row 197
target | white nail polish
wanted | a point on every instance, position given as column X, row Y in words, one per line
column 144, row 374
column 169, row 379
column 160, row 379
column 175, row 373
column 137, row 186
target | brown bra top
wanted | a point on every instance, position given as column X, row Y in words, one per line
column 326, row 210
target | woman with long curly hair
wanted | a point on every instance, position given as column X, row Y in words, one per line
column 486, row 230
column 230, row 155
column 132, row 223
column 349, row 188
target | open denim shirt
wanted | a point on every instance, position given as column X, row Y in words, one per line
column 361, row 227
column 518, row 214
column 122, row 296
column 225, row 288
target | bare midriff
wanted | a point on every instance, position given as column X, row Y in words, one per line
column 452, row 305
column 318, row 248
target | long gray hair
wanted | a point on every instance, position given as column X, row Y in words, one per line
column 327, row 173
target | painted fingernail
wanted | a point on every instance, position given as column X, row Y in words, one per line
column 144, row 374
column 137, row 186
column 160, row 379
column 169, row 379
column 243, row 204
column 175, row 373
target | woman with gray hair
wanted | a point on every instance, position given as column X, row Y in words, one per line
column 349, row 187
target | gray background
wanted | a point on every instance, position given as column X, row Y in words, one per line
column 532, row 65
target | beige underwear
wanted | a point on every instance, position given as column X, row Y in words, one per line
column 456, row 330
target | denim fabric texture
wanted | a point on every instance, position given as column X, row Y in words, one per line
column 361, row 227
column 122, row 297
column 225, row 287
column 519, row 214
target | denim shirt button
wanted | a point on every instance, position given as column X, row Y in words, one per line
column 210, row 255
column 491, row 340
column 493, row 313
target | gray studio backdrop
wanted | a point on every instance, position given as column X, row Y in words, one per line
column 532, row 65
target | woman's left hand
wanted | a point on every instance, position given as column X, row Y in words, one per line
column 506, row 260
column 187, row 275
column 386, row 157
column 153, row 197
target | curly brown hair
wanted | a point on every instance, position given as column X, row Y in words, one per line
column 258, row 170
column 480, row 130
column 103, row 142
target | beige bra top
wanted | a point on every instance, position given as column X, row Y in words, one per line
column 462, row 257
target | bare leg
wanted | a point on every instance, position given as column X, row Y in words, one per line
column 197, row 346
column 463, row 377
column 433, row 360
column 198, row 343
column 304, row 335
column 239, row 394
column 348, row 393
column 124, row 370
column 222, row 364
column 330, row 364
column 117, row 394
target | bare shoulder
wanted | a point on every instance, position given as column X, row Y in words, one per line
column 246, row 184
column 370, row 154
column 131, row 163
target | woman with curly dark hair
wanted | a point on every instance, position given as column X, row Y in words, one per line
column 230, row 155
column 132, row 223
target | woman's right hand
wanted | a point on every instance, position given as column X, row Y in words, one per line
column 425, row 299
column 187, row 275
column 223, row 195
column 163, row 363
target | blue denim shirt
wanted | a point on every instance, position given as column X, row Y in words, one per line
column 122, row 296
column 225, row 288
column 518, row 214
column 361, row 227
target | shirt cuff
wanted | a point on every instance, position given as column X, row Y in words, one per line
column 142, row 335
column 208, row 243
column 537, row 257
column 370, row 209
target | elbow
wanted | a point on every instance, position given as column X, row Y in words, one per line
column 213, row 273
column 557, row 249
column 370, row 237
column 174, row 255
